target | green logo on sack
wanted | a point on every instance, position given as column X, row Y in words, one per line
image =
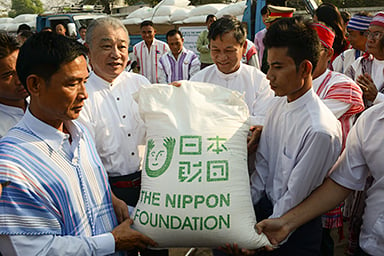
column 158, row 160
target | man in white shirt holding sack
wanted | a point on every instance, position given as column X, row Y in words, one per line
column 110, row 113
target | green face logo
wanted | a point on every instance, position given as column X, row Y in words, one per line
column 157, row 159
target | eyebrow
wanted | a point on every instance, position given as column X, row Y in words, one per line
column 107, row 39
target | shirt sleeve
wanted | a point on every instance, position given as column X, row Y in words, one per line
column 264, row 96
column 103, row 244
column 162, row 76
column 195, row 66
column 351, row 169
column 314, row 161
column 379, row 98
column 201, row 47
column 337, row 107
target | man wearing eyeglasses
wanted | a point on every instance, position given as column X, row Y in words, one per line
column 357, row 35
column 12, row 92
column 368, row 71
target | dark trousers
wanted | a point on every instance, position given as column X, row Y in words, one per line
column 305, row 241
column 127, row 187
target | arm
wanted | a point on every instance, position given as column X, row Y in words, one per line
column 201, row 44
column 263, row 97
column 329, row 194
column 123, row 237
column 195, row 66
column 121, row 208
column 337, row 107
column 369, row 88
column 316, row 157
column 162, row 76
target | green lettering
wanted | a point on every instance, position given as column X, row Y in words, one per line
column 165, row 222
column 210, row 225
column 170, row 201
column 199, row 199
column 187, row 199
column 215, row 200
column 143, row 222
column 156, row 198
column 187, row 223
column 175, row 222
column 226, row 223
column 151, row 222
column 224, row 200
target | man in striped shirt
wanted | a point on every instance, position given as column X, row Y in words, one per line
column 58, row 201
column 148, row 52
column 179, row 63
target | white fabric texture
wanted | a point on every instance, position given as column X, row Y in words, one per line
column 363, row 155
column 195, row 184
column 301, row 140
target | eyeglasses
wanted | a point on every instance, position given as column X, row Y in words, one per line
column 373, row 35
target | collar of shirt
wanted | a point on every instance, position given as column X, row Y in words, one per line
column 100, row 81
column 183, row 51
column 53, row 137
column 318, row 80
column 231, row 75
column 308, row 96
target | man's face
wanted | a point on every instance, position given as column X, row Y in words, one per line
column 283, row 76
column 62, row 97
column 82, row 32
column 148, row 34
column 356, row 39
column 175, row 43
column 108, row 52
column 60, row 29
column 226, row 53
column 210, row 21
column 375, row 41
column 324, row 58
column 11, row 90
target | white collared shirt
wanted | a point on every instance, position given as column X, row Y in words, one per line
column 300, row 142
column 112, row 117
column 149, row 59
column 9, row 116
column 247, row 80
column 363, row 155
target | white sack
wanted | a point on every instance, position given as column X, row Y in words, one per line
column 180, row 14
column 142, row 13
column 132, row 21
column 195, row 188
column 161, row 19
column 232, row 9
column 195, row 19
column 206, row 9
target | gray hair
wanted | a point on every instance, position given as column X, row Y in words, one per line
column 103, row 22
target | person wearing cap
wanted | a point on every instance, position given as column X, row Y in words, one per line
column 345, row 99
column 368, row 71
column 275, row 13
column 356, row 34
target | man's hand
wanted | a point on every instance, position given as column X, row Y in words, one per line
column 275, row 229
column 367, row 86
column 127, row 238
column 175, row 83
column 121, row 209
column 253, row 140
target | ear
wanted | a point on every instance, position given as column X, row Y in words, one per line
column 34, row 84
column 244, row 50
column 305, row 68
column 330, row 52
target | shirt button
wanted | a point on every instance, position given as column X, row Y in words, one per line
column 123, row 116
column 117, row 98
column 133, row 153
column 129, row 135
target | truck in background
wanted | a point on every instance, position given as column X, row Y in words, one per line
column 72, row 18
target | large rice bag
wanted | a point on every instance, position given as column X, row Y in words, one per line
column 195, row 186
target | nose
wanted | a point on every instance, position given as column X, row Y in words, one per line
column 83, row 94
column 115, row 52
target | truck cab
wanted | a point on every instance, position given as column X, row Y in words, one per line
column 72, row 18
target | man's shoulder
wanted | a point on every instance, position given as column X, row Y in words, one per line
column 202, row 75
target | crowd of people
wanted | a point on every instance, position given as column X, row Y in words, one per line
column 70, row 130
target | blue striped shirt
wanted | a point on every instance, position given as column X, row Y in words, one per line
column 57, row 187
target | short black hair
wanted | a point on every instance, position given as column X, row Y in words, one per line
column 225, row 25
column 264, row 10
column 8, row 44
column 298, row 36
column 82, row 27
column 23, row 27
column 173, row 32
column 209, row 16
column 146, row 23
column 44, row 53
